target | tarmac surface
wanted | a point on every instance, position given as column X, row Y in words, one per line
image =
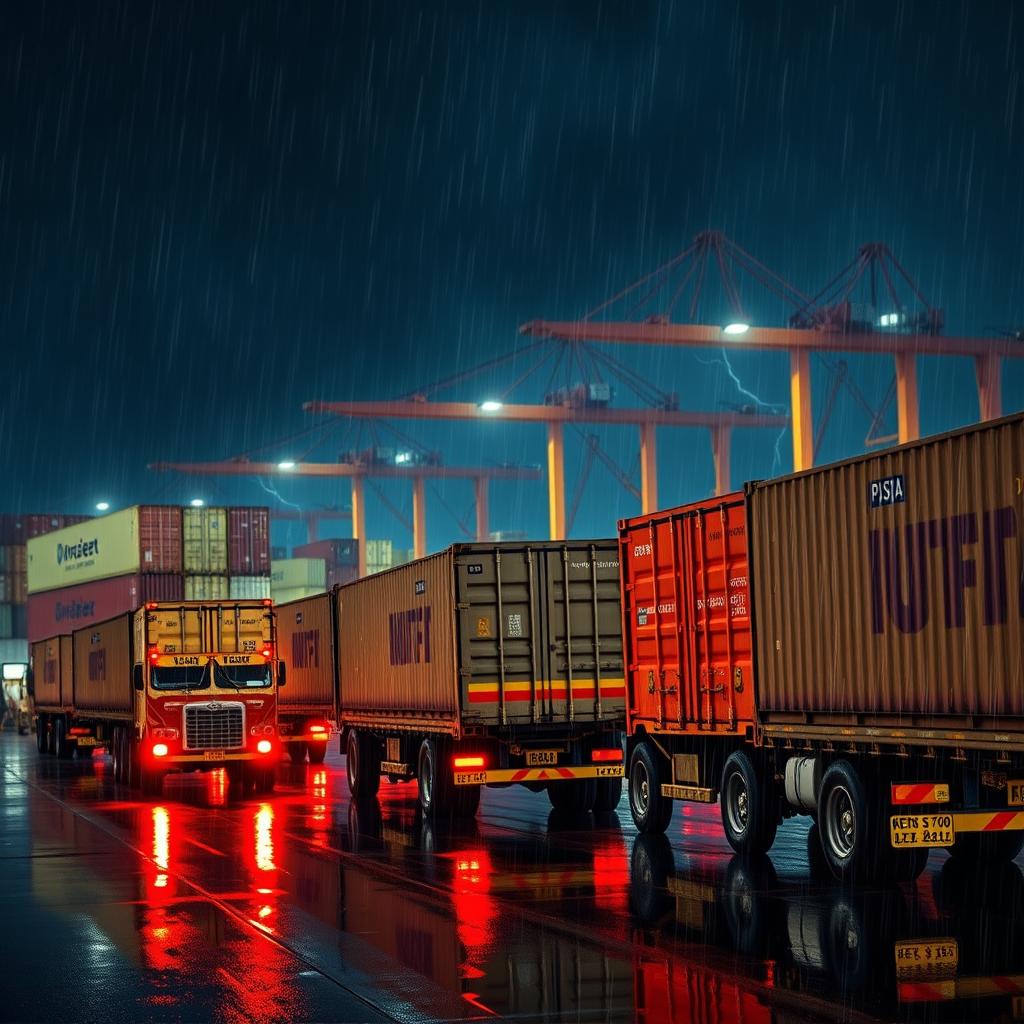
column 199, row 905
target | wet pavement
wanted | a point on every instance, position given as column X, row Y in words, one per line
column 305, row 906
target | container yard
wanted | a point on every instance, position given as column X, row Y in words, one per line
column 512, row 511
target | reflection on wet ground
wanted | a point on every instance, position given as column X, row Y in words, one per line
column 306, row 906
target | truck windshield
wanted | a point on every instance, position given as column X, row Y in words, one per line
column 194, row 677
column 240, row 677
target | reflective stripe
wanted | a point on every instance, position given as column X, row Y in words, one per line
column 487, row 693
column 920, row 793
column 549, row 774
column 989, row 821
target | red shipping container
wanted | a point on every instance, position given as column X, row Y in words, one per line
column 686, row 618
column 335, row 552
column 339, row 575
column 249, row 541
column 60, row 611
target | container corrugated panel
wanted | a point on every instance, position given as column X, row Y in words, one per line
column 298, row 572
column 539, row 626
column 206, row 588
column 52, row 672
column 205, row 533
column 335, row 552
column 686, row 618
column 19, row 588
column 397, row 647
column 19, row 616
column 14, row 650
column 888, row 588
column 6, row 622
column 141, row 539
column 61, row 611
column 249, row 587
column 249, row 541
column 305, row 633
column 293, row 593
column 102, row 653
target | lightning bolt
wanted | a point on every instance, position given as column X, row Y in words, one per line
column 276, row 494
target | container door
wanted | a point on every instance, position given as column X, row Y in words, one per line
column 583, row 631
column 501, row 653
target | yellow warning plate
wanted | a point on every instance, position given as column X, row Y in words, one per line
column 926, row 956
column 908, row 830
column 1015, row 792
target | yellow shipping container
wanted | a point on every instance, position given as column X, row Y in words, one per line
column 206, row 541
column 206, row 588
column 290, row 573
column 94, row 550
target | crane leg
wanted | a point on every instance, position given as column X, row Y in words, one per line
column 556, row 480
column 989, row 373
column 419, row 517
column 800, row 398
column 648, row 468
column 359, row 520
column 721, row 450
column 908, row 413
column 483, row 525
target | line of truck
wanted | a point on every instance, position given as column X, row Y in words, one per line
column 844, row 642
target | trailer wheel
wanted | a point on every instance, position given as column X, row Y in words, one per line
column 609, row 793
column 63, row 745
column 363, row 781
column 651, row 811
column 41, row 729
column 317, row 750
column 297, row 752
column 576, row 796
column 439, row 796
column 987, row 848
column 750, row 816
column 846, row 822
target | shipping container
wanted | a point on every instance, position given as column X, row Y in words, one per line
column 298, row 572
column 379, row 552
column 102, row 666
column 293, row 593
column 205, row 541
column 206, row 588
column 19, row 616
column 12, row 587
column 249, row 541
column 276, row 554
column 511, row 654
column 307, row 705
column 17, row 529
column 249, row 586
column 61, row 611
column 848, row 642
column 340, row 575
column 6, row 622
column 14, row 651
column 335, row 552
column 141, row 539
column 52, row 673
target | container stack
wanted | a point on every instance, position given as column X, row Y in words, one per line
column 294, row 578
column 15, row 532
column 116, row 563
column 382, row 554
column 341, row 559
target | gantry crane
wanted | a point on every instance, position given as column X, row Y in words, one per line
column 358, row 473
column 311, row 518
column 817, row 325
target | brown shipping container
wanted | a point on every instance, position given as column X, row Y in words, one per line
column 102, row 655
column 484, row 632
column 52, row 673
column 305, row 636
column 888, row 589
column 63, row 610
column 249, row 541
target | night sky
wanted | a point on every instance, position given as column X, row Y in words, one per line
column 214, row 212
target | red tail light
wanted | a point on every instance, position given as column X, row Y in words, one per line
column 614, row 754
column 268, row 601
column 154, row 654
column 318, row 728
column 468, row 762
column 267, row 652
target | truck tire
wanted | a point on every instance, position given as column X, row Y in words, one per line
column 63, row 745
column 987, row 848
column 609, row 793
column 576, row 796
column 363, row 780
column 42, row 726
column 651, row 811
column 439, row 797
column 750, row 814
column 317, row 750
column 651, row 864
column 297, row 751
column 847, row 822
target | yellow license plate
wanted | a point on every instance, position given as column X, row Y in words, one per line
column 213, row 755
column 540, row 757
column 932, row 956
column 907, row 830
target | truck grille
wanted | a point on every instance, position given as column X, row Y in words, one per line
column 216, row 726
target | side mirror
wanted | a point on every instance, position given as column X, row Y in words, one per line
column 138, row 680
column 281, row 674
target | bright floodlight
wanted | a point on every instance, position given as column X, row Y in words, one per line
column 287, row 464
column 197, row 503
column 403, row 458
column 736, row 328
column 102, row 506
column 490, row 406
